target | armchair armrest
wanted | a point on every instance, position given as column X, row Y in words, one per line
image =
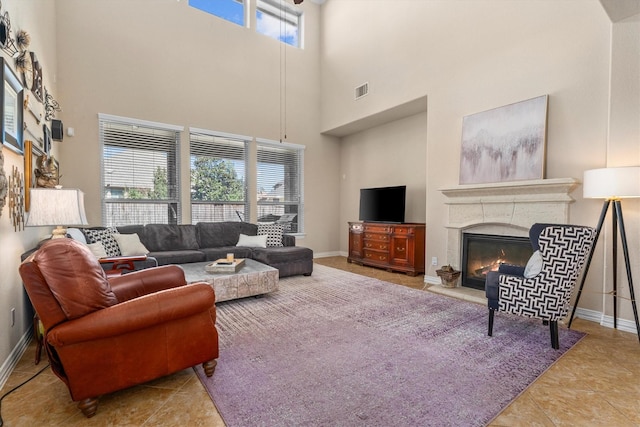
column 120, row 263
column 134, row 315
column 144, row 282
column 511, row 269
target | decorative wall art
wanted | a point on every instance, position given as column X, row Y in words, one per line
column 7, row 43
column 31, row 154
column 11, row 98
column 4, row 183
column 36, row 78
column 51, row 106
column 46, row 132
column 46, row 171
column 505, row 144
column 16, row 200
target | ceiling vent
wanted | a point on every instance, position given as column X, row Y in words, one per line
column 362, row 90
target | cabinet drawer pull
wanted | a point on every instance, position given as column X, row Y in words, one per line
column 400, row 249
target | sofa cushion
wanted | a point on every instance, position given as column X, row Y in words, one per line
column 212, row 254
column 104, row 236
column 76, row 279
column 170, row 237
column 219, row 234
column 272, row 256
column 273, row 232
column 177, row 257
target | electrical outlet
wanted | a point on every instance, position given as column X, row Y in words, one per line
column 13, row 316
column 434, row 260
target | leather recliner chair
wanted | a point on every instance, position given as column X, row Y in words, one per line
column 102, row 335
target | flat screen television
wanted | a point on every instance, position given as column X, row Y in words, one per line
column 383, row 204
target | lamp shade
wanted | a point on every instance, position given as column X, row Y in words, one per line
column 56, row 206
column 611, row 183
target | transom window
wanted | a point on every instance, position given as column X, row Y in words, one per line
column 274, row 18
column 278, row 20
column 231, row 10
column 140, row 173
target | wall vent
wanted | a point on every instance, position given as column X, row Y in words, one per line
column 362, row 90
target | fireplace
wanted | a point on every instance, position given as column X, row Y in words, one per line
column 482, row 253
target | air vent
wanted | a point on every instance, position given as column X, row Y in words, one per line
column 362, row 90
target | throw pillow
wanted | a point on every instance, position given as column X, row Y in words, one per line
column 130, row 244
column 252, row 241
column 76, row 234
column 104, row 236
column 534, row 265
column 97, row 249
column 272, row 231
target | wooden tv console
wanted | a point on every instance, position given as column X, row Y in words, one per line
column 394, row 247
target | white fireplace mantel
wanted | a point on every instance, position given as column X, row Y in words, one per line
column 506, row 208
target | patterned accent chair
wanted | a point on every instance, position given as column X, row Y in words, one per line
column 102, row 335
column 543, row 288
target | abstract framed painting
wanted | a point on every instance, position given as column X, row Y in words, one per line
column 505, row 144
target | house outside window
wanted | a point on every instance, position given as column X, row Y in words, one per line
column 280, row 184
column 279, row 20
column 140, row 171
column 218, row 176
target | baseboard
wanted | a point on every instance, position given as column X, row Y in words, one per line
column 327, row 254
column 14, row 357
column 432, row 280
column 606, row 321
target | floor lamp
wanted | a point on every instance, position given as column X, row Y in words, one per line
column 612, row 185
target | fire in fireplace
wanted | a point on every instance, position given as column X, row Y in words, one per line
column 482, row 253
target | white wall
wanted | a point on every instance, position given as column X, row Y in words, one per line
column 470, row 56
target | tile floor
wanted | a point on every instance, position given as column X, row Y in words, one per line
column 595, row 384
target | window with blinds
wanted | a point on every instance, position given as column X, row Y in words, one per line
column 218, row 177
column 140, row 171
column 279, row 20
column 280, row 184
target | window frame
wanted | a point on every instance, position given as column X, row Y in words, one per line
column 296, row 150
column 232, row 139
column 172, row 204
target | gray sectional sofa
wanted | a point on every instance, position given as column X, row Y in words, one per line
column 208, row 241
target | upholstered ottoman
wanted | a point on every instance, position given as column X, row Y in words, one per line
column 289, row 260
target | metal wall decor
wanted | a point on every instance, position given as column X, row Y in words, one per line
column 16, row 200
column 50, row 106
column 7, row 43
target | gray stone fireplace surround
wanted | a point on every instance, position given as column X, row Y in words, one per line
column 503, row 209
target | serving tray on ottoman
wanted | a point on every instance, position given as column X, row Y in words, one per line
column 252, row 279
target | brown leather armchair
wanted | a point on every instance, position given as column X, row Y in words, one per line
column 103, row 335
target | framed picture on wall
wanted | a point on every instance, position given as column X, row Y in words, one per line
column 11, row 100
column 505, row 144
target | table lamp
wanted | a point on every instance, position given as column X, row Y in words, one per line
column 58, row 207
column 612, row 185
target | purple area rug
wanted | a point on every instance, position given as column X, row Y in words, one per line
column 340, row 349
